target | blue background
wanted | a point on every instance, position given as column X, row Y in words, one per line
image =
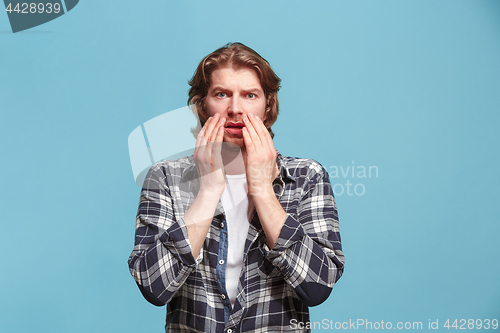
column 412, row 87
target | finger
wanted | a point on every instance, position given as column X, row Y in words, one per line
column 202, row 151
column 210, row 125
column 215, row 132
column 251, row 131
column 217, row 142
column 220, row 131
column 201, row 135
column 249, row 145
column 201, row 140
column 262, row 131
column 266, row 141
column 217, row 149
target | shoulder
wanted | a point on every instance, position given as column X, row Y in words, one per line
column 302, row 167
column 171, row 169
column 179, row 164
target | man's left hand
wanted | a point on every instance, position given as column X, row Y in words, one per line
column 261, row 170
column 261, row 167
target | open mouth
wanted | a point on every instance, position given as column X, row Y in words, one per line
column 234, row 128
column 234, row 125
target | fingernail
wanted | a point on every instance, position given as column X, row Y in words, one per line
column 245, row 119
column 251, row 115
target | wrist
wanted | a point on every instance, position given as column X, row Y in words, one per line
column 210, row 192
column 262, row 193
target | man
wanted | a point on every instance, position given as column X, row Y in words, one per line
column 237, row 237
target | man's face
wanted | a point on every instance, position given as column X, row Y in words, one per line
column 234, row 94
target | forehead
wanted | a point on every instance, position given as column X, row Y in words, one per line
column 244, row 78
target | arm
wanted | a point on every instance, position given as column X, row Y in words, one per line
column 305, row 246
column 161, row 260
column 208, row 160
column 165, row 248
column 308, row 251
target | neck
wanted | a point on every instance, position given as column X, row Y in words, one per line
column 234, row 159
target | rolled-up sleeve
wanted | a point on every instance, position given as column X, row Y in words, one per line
column 308, row 251
column 161, row 260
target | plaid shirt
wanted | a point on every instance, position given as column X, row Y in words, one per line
column 276, row 286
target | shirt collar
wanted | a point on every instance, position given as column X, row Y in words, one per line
column 190, row 173
column 284, row 171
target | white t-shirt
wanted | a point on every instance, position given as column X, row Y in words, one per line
column 238, row 207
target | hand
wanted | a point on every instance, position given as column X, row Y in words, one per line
column 208, row 157
column 208, row 160
column 261, row 167
column 262, row 170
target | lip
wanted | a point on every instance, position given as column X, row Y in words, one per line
column 234, row 128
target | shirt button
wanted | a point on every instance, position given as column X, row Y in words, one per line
column 222, row 225
column 223, row 296
column 221, row 262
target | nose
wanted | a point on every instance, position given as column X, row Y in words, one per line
column 235, row 106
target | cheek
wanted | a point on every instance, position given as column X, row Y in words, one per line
column 212, row 109
column 260, row 110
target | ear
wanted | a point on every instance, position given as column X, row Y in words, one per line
column 266, row 113
column 268, row 107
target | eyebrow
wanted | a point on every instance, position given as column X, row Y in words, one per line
column 254, row 90
column 218, row 88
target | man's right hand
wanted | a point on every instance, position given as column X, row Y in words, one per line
column 208, row 156
column 208, row 160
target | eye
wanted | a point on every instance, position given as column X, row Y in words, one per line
column 221, row 94
column 251, row 95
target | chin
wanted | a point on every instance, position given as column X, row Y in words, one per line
column 235, row 143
